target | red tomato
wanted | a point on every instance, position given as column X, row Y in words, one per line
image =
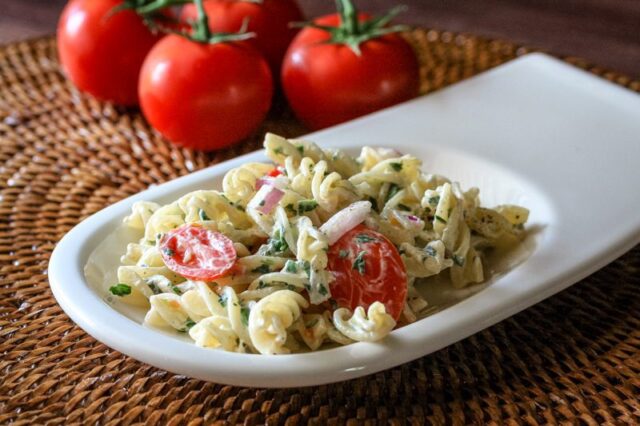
column 275, row 172
column 329, row 83
column 269, row 19
column 100, row 51
column 197, row 253
column 367, row 268
column 204, row 96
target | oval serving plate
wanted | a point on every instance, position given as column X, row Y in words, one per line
column 534, row 132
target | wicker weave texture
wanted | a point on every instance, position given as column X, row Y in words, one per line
column 574, row 358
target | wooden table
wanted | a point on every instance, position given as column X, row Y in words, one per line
column 606, row 32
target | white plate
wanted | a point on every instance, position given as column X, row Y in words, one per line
column 535, row 131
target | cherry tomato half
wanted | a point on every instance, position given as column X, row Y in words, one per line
column 197, row 253
column 367, row 268
column 102, row 51
column 328, row 83
column 204, row 96
column 268, row 19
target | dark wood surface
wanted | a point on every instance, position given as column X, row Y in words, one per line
column 605, row 32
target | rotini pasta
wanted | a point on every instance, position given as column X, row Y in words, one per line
column 251, row 268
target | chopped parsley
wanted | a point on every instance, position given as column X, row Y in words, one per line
column 359, row 263
column 307, row 267
column 364, row 238
column 404, row 208
column 343, row 254
column 300, row 149
column 262, row 284
column 374, row 203
column 393, row 190
column 291, row 267
column 458, row 260
column 440, row 219
column 154, row 288
column 433, row 201
column 306, row 206
column 175, row 289
column 167, row 251
column 430, row 251
column 223, row 300
column 290, row 208
column 278, row 151
column 263, row 269
column 244, row 315
column 187, row 325
column 396, row 166
column 322, row 289
column 120, row 290
column 277, row 244
column 203, row 215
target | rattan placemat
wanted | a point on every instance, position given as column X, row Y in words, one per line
column 574, row 358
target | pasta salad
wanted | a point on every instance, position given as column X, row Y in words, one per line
column 315, row 248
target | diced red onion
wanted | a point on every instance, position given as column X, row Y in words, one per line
column 270, row 200
column 409, row 221
column 279, row 182
column 264, row 180
column 345, row 220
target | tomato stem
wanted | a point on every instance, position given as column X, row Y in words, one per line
column 351, row 31
column 145, row 8
column 201, row 29
column 348, row 15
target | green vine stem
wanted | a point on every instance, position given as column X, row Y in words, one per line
column 199, row 30
column 351, row 31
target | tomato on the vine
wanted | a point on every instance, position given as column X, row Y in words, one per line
column 197, row 253
column 268, row 19
column 101, row 49
column 205, row 92
column 346, row 65
column 367, row 268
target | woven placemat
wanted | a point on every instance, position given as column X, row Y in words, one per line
column 574, row 358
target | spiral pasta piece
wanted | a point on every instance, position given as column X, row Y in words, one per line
column 271, row 317
column 371, row 326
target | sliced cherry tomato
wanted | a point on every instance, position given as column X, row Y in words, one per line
column 197, row 253
column 367, row 268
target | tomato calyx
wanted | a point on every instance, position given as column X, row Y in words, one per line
column 152, row 12
column 201, row 33
column 351, row 31
column 148, row 7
